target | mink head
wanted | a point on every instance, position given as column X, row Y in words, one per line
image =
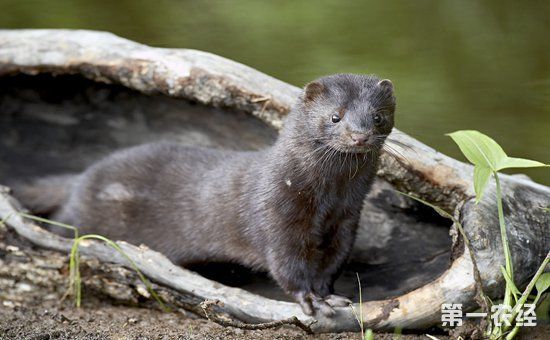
column 348, row 112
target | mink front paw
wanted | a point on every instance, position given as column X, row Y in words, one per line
column 337, row 300
column 312, row 303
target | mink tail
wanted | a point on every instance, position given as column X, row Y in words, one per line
column 45, row 195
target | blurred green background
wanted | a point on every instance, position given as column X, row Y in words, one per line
column 481, row 65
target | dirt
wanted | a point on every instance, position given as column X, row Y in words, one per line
column 33, row 282
column 101, row 320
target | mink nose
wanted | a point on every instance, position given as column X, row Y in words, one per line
column 359, row 139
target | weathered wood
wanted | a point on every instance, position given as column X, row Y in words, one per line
column 218, row 82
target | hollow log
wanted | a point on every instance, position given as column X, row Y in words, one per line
column 213, row 81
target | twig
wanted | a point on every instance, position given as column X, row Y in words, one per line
column 212, row 316
column 480, row 296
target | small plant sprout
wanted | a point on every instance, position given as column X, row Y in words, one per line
column 488, row 159
column 359, row 317
column 75, row 286
column 369, row 334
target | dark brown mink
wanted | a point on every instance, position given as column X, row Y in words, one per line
column 291, row 209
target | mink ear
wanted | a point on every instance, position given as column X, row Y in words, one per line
column 386, row 84
column 313, row 90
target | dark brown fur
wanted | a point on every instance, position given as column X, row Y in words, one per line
column 291, row 209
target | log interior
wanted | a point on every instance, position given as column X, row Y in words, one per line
column 61, row 124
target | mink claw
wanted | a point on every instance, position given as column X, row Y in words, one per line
column 337, row 300
column 304, row 302
column 313, row 304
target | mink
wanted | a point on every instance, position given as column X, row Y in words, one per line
column 291, row 209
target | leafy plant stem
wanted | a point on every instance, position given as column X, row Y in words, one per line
column 505, row 246
column 498, row 330
column 488, row 158
column 525, row 295
column 513, row 333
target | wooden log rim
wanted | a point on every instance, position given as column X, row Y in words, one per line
column 218, row 82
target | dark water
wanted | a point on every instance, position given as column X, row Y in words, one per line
column 456, row 64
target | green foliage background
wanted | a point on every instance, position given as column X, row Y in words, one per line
column 481, row 65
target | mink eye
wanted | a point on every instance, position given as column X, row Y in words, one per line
column 335, row 118
column 378, row 120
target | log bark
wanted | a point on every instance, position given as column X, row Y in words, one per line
column 218, row 82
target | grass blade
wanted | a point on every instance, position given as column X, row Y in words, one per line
column 134, row 266
column 511, row 283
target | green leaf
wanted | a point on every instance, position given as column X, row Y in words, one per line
column 543, row 283
column 481, row 177
column 369, row 334
column 509, row 281
column 480, row 149
column 511, row 162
